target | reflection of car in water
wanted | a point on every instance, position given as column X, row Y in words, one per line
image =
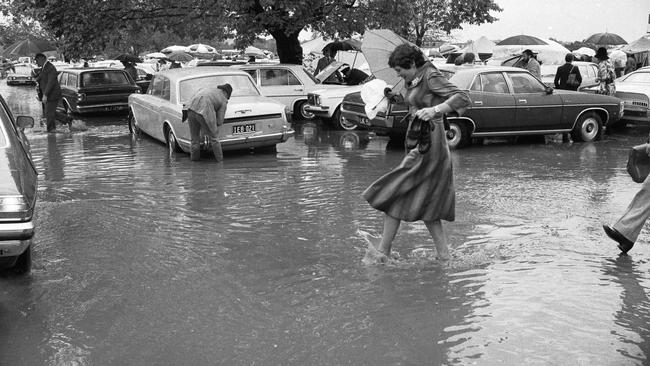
column 508, row 101
column 314, row 135
column 18, row 182
column 251, row 121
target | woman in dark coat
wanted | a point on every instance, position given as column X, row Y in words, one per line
column 422, row 186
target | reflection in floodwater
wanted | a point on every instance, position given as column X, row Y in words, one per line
column 143, row 258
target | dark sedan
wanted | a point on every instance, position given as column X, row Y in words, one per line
column 506, row 101
column 88, row 90
column 18, row 182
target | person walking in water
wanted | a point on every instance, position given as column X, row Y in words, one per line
column 421, row 187
column 627, row 229
column 49, row 90
column 205, row 112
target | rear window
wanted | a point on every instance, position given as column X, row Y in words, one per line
column 100, row 78
column 242, row 85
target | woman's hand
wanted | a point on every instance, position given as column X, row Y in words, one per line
column 427, row 114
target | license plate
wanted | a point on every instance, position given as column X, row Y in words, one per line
column 243, row 128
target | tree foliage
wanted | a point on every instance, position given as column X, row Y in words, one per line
column 89, row 26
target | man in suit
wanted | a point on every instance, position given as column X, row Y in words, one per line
column 563, row 72
column 205, row 112
column 49, row 90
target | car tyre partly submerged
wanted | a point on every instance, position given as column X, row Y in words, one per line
column 172, row 143
column 133, row 127
column 302, row 112
column 341, row 123
column 457, row 135
column 588, row 128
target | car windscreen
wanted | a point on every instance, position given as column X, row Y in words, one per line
column 104, row 78
column 242, row 85
column 23, row 69
column 638, row 77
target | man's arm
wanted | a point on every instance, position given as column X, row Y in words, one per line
column 221, row 113
column 556, row 81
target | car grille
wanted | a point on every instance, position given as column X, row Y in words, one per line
column 633, row 99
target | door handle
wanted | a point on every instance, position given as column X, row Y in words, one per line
column 522, row 101
column 478, row 102
column 297, row 89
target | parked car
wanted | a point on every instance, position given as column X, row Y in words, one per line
column 86, row 90
column 22, row 74
column 290, row 84
column 507, row 101
column 251, row 121
column 634, row 90
column 326, row 102
column 588, row 72
column 18, row 182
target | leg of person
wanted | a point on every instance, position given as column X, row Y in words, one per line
column 635, row 216
column 212, row 130
column 439, row 238
column 391, row 225
column 194, row 123
column 50, row 114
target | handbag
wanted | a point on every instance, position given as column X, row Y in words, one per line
column 572, row 80
column 638, row 163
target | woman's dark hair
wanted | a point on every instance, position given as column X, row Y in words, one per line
column 601, row 54
column 404, row 54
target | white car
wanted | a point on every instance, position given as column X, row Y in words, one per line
column 634, row 90
column 588, row 72
column 326, row 103
column 251, row 121
column 290, row 84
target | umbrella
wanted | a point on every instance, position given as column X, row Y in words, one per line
column 345, row 45
column 585, row 51
column 28, row 47
column 254, row 51
column 434, row 53
column 129, row 59
column 640, row 45
column 173, row 48
column 180, row 56
column 605, row 39
column 446, row 49
column 200, row 48
column 155, row 55
column 523, row 40
column 377, row 46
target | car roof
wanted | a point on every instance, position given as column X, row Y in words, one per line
column 79, row 70
column 191, row 72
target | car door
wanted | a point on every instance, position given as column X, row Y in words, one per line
column 537, row 109
column 282, row 85
column 493, row 107
column 146, row 107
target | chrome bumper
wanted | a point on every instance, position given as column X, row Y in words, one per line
column 15, row 238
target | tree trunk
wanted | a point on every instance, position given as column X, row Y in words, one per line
column 288, row 47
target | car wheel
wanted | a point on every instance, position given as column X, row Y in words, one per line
column 457, row 136
column 341, row 123
column 133, row 127
column 24, row 262
column 172, row 144
column 588, row 128
column 301, row 110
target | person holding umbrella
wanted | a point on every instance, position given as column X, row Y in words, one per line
column 49, row 90
column 421, row 187
column 606, row 73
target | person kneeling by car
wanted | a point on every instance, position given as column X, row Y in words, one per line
column 205, row 112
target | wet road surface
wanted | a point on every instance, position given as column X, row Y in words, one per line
column 141, row 258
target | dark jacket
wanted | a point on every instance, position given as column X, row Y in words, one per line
column 562, row 74
column 48, row 83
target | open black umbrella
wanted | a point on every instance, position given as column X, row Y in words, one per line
column 521, row 39
column 345, row 45
column 28, row 47
column 605, row 39
column 127, row 58
column 180, row 56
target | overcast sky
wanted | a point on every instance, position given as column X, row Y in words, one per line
column 565, row 20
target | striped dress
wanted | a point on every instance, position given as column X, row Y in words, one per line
column 421, row 187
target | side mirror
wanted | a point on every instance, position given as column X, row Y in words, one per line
column 25, row 122
column 549, row 90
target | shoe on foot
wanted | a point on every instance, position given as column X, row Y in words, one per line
column 624, row 244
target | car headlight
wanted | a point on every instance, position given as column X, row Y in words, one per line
column 317, row 99
column 12, row 205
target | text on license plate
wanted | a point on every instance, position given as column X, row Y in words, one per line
column 243, row 128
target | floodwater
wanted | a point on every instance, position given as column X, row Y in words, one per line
column 145, row 259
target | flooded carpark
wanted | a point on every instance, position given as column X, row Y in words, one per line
column 143, row 258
